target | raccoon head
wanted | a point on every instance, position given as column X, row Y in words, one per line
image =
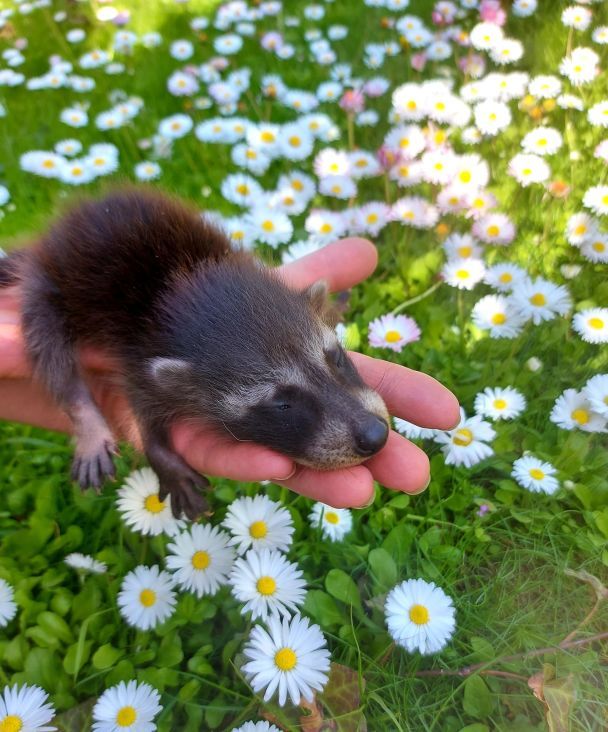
column 261, row 360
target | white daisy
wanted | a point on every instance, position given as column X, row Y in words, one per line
column 527, row 169
column 241, row 189
column 491, row 117
column 466, row 443
column 595, row 249
column 147, row 170
column 267, row 583
column 74, row 117
column 412, row 431
column 291, row 657
column 25, row 708
column 76, row 560
column 596, row 199
column 504, row 276
column 270, row 227
column 572, row 410
column 393, row 331
column 576, row 17
column 500, row 403
column 258, row 523
column 76, row 172
column 598, row 114
column 45, row 164
column 498, row 315
column 335, row 523
column 463, row 274
column 596, row 391
column 407, row 140
column 175, row 126
column 535, row 475
column 580, row 228
column 127, row 706
column 256, row 727
column 338, row 186
column 545, row 86
column 68, row 147
column 146, row 598
column 420, row 616
column 540, row 299
column 542, row 141
column 8, row 607
column 324, row 225
column 141, row 508
column 201, row 559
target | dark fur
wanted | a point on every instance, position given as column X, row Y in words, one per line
column 197, row 328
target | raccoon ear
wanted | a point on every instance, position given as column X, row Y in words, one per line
column 318, row 294
column 166, row 370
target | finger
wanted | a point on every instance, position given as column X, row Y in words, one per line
column 341, row 264
column 21, row 400
column 13, row 358
column 409, row 394
column 400, row 465
column 342, row 488
column 215, row 454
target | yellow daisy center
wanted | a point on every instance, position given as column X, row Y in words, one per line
column 463, row 437
column 580, row 415
column 498, row 319
column 361, row 163
column 331, row 517
column 285, row 659
column 465, row 176
column 419, row 615
column 267, row 136
column 268, row 225
column 536, row 473
column 505, row 277
column 258, row 529
column 295, row 141
column 392, row 336
column 412, row 105
column 243, row 189
column 596, row 323
column 580, row 229
column 201, row 560
column 326, row 228
column 336, row 189
column 153, row 504
column 175, row 125
column 440, row 137
column 598, row 246
column 464, row 251
column 266, row 586
column 462, row 274
column 372, row 218
column 12, row 723
column 334, row 167
column 538, row 299
column 404, row 142
column 147, row 598
column 297, row 185
column 499, row 403
column 542, row 142
column 126, row 716
column 48, row 164
column 251, row 155
column 99, row 161
column 493, row 230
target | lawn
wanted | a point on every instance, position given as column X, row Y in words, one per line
column 508, row 176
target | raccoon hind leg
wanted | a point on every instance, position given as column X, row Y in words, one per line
column 53, row 357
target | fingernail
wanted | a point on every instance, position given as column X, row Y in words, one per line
column 286, row 477
column 372, row 498
column 421, row 490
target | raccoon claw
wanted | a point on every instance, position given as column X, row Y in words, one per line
column 186, row 496
column 91, row 470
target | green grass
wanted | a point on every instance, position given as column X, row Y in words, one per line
column 506, row 571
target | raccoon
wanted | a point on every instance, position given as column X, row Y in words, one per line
column 201, row 330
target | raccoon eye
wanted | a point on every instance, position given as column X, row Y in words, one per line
column 283, row 406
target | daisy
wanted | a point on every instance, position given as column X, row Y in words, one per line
column 580, row 228
column 264, row 137
column 363, row 164
column 596, row 199
column 331, row 162
column 572, row 410
column 497, row 314
column 600, row 34
column 267, row 583
column 372, row 217
column 437, row 167
column 241, row 189
column 175, row 126
column 596, row 248
column 596, row 392
column 256, row 727
column 141, row 508
column 76, row 172
column 580, row 67
column 491, row 117
column 393, row 331
column 295, row 142
column 407, row 140
column 76, row 560
column 201, row 559
column 524, row 8
column 466, row 443
column 576, row 17
column 419, row 616
column 471, row 172
column 325, row 225
column 25, row 708
column 542, row 141
column 535, row 475
column 147, row 170
column 228, row 45
column 409, row 102
column 181, row 50
column 463, row 273
column 258, row 523
column 498, row 403
column 527, row 169
column 494, row 228
column 598, row 114
column 413, row 431
column 270, row 227
column 8, row 607
column 146, row 598
column 290, row 656
column 127, row 706
column 335, row 523
column 545, row 87
column 45, row 164
column 540, row 299
column 415, row 211
column 407, row 174
column 507, row 51
column 338, row 186
column 74, row 117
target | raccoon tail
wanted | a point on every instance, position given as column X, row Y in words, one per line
column 9, row 268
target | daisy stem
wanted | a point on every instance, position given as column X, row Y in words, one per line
column 350, row 121
column 387, row 188
column 569, row 41
column 416, row 299
column 461, row 322
column 427, row 519
column 144, row 549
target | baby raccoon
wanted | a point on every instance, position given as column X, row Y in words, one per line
column 201, row 331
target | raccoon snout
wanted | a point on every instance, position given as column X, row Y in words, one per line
column 370, row 435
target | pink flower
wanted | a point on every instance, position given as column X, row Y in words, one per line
column 121, row 18
column 353, row 101
column 490, row 11
column 271, row 41
column 418, row 61
column 601, row 151
column 388, row 157
column 393, row 331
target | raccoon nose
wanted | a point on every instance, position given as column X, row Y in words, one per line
column 370, row 435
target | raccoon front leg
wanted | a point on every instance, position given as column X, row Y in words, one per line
column 53, row 358
column 176, row 478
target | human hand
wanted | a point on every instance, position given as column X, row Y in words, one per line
column 400, row 465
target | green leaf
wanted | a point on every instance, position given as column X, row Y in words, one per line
column 75, row 658
column 170, row 651
column 106, row 656
column 341, row 586
column 323, row 609
column 383, row 568
column 478, row 701
column 55, row 625
column 483, row 650
column 477, row 727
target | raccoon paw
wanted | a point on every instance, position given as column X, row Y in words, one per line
column 186, row 494
column 91, row 468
